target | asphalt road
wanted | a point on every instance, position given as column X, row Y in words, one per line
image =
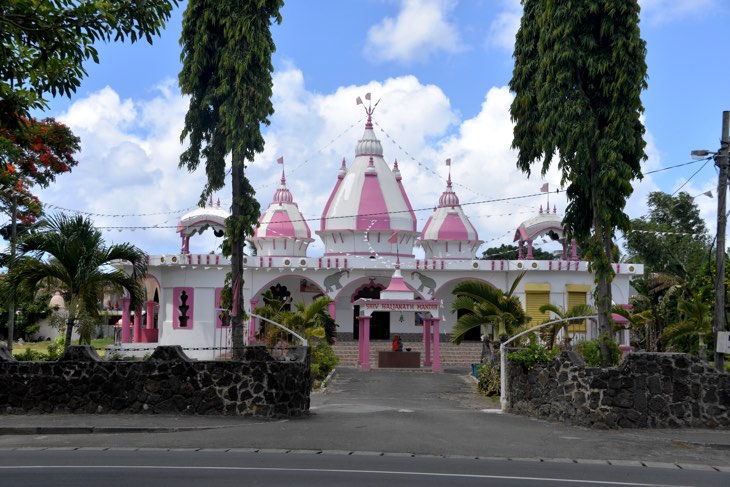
column 183, row 468
column 367, row 429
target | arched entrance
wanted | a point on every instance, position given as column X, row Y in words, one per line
column 379, row 321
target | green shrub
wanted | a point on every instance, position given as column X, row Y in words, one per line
column 591, row 352
column 489, row 380
column 31, row 355
column 534, row 354
column 55, row 349
column 324, row 361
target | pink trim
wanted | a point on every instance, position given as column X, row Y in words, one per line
column 176, row 293
column 217, row 304
column 126, row 329
column 453, row 228
column 325, row 212
column 372, row 206
column 408, row 204
column 397, row 284
column 427, row 342
column 280, row 225
column 436, row 367
column 137, row 326
column 390, row 254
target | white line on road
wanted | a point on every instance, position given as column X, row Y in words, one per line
column 326, row 470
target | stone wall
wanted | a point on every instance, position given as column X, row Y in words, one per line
column 647, row 390
column 168, row 383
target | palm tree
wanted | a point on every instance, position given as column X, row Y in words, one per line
column 71, row 253
column 696, row 320
column 486, row 305
column 561, row 313
column 310, row 321
column 641, row 321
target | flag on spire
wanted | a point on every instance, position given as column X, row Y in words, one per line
column 367, row 96
column 544, row 188
column 448, row 161
column 280, row 160
column 393, row 238
column 359, row 100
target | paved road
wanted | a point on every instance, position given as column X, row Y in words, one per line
column 183, row 468
column 391, row 412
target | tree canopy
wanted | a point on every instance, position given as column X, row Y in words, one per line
column 227, row 72
column 44, row 44
column 506, row 251
column 671, row 238
column 70, row 255
column 579, row 71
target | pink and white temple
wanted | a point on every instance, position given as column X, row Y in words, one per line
column 367, row 225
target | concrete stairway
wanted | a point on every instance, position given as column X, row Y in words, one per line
column 452, row 356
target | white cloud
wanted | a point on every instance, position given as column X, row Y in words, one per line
column 128, row 166
column 504, row 27
column 420, row 30
column 663, row 11
column 131, row 147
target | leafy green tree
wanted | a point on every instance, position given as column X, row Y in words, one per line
column 44, row 44
column 71, row 254
column 560, row 314
column 671, row 238
column 481, row 305
column 226, row 55
column 579, row 71
column 641, row 322
column 506, row 251
column 695, row 323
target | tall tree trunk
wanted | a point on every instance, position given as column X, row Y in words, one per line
column 69, row 332
column 601, row 249
column 237, row 236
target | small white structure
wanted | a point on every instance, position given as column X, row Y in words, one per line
column 366, row 225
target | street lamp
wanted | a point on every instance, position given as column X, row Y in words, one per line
column 721, row 161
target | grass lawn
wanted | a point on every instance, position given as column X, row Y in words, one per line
column 42, row 347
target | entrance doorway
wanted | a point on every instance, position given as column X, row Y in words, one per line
column 379, row 320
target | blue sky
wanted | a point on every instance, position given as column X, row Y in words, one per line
column 440, row 68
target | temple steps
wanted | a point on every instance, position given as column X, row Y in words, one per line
column 452, row 356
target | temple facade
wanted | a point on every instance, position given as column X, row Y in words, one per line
column 368, row 228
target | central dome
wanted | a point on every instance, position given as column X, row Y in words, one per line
column 368, row 206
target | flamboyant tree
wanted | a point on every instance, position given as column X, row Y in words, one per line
column 227, row 72
column 33, row 154
column 579, row 71
column 44, row 43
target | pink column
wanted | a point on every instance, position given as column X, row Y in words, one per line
column 137, row 325
column 573, row 251
column 436, row 347
column 332, row 308
column 126, row 330
column 529, row 250
column 427, row 342
column 150, row 314
column 252, row 323
column 365, row 366
column 361, row 335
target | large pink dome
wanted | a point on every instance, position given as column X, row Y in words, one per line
column 368, row 206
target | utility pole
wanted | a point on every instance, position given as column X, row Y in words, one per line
column 721, row 161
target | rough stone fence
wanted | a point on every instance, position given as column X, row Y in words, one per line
column 646, row 390
column 168, row 382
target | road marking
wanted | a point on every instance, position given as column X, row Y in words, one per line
column 334, row 470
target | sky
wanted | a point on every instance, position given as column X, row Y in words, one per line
column 440, row 69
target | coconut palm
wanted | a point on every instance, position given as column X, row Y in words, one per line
column 560, row 314
column 69, row 252
column 685, row 335
column 486, row 305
